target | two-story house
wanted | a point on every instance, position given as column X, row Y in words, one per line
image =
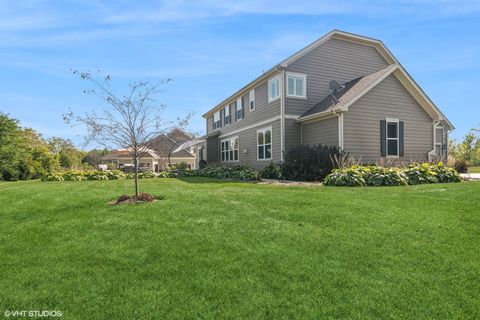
column 343, row 90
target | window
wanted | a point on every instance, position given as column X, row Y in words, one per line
column 227, row 119
column 296, row 85
column 273, row 89
column 239, row 109
column 392, row 138
column 229, row 150
column 264, row 144
column 251, row 96
column 217, row 122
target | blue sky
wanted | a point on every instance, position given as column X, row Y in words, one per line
column 212, row 48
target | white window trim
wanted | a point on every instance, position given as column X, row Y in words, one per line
column 251, row 98
column 270, row 99
column 271, row 142
column 298, row 75
column 241, row 108
column 439, row 126
column 227, row 107
column 397, row 138
column 219, row 119
column 229, row 141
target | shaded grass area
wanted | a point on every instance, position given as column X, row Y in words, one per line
column 474, row 170
column 238, row 250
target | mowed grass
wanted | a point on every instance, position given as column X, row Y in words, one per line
column 225, row 250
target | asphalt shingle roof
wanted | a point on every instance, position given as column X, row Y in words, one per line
column 351, row 89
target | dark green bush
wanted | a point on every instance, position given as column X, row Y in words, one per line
column 239, row 172
column 272, row 171
column 311, row 163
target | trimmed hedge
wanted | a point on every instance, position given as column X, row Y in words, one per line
column 382, row 176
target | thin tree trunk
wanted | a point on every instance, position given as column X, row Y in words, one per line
column 135, row 168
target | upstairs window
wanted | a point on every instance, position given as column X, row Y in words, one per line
column 227, row 119
column 296, row 84
column 239, row 109
column 217, row 121
column 251, row 96
column 264, row 144
column 229, row 150
column 273, row 89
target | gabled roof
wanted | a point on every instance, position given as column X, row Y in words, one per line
column 164, row 145
column 337, row 34
column 351, row 90
column 357, row 88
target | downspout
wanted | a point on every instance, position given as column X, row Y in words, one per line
column 340, row 128
column 282, row 111
column 432, row 153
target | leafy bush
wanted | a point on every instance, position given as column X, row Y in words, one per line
column 239, row 172
column 115, row 175
column 310, row 163
column 272, row 171
column 146, row 175
column 74, row 176
column 461, row 166
column 187, row 173
column 349, row 177
column 52, row 177
column 382, row 176
column 167, row 174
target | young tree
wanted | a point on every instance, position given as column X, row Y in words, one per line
column 128, row 121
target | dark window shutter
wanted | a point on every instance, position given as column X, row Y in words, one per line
column 400, row 138
column 221, row 116
column 383, row 138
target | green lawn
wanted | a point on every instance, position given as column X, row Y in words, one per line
column 216, row 250
column 474, row 170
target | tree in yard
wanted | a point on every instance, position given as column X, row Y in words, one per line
column 130, row 121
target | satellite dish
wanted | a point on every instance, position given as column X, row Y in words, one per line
column 335, row 86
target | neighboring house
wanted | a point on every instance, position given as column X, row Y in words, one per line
column 342, row 90
column 160, row 154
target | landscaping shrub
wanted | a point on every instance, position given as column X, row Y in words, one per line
column 311, row 163
column 272, row 171
column 461, row 166
column 146, row 175
column 349, row 177
column 239, row 172
column 52, row 177
column 167, row 174
column 383, row 176
column 75, row 175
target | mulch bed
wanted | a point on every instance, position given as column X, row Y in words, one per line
column 126, row 199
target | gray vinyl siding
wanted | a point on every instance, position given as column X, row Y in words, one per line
column 292, row 133
column 264, row 111
column 389, row 99
column 321, row 132
column 334, row 60
column 247, row 141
